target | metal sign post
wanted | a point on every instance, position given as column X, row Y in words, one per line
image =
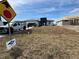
column 9, row 32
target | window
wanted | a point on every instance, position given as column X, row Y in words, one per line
column 15, row 24
column 32, row 24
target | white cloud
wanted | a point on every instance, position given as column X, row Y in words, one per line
column 45, row 10
column 75, row 11
column 16, row 3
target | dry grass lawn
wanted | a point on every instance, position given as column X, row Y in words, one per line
column 43, row 43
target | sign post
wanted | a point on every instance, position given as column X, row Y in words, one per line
column 7, row 13
column 9, row 31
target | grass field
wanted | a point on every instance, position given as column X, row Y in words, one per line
column 44, row 43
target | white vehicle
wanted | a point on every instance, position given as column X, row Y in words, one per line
column 15, row 26
column 19, row 26
column 5, row 28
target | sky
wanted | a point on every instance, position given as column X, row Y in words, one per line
column 52, row 9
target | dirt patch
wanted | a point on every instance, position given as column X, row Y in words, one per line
column 53, row 30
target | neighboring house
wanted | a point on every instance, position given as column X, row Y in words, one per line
column 68, row 20
column 29, row 23
column 50, row 22
column 45, row 22
column 33, row 22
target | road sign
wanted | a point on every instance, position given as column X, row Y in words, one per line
column 10, row 44
column 6, row 11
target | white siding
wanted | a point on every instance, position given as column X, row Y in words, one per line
column 59, row 23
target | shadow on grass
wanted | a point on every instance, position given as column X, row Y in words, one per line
column 15, row 52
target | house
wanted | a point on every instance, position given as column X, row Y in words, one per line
column 68, row 20
column 37, row 22
column 45, row 22
column 28, row 23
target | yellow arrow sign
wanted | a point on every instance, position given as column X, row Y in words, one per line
column 6, row 11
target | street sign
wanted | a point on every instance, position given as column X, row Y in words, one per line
column 10, row 44
column 6, row 11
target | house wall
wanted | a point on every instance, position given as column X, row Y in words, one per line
column 76, row 22
column 64, row 22
column 59, row 23
column 33, row 22
column 71, row 22
column 50, row 23
column 67, row 22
